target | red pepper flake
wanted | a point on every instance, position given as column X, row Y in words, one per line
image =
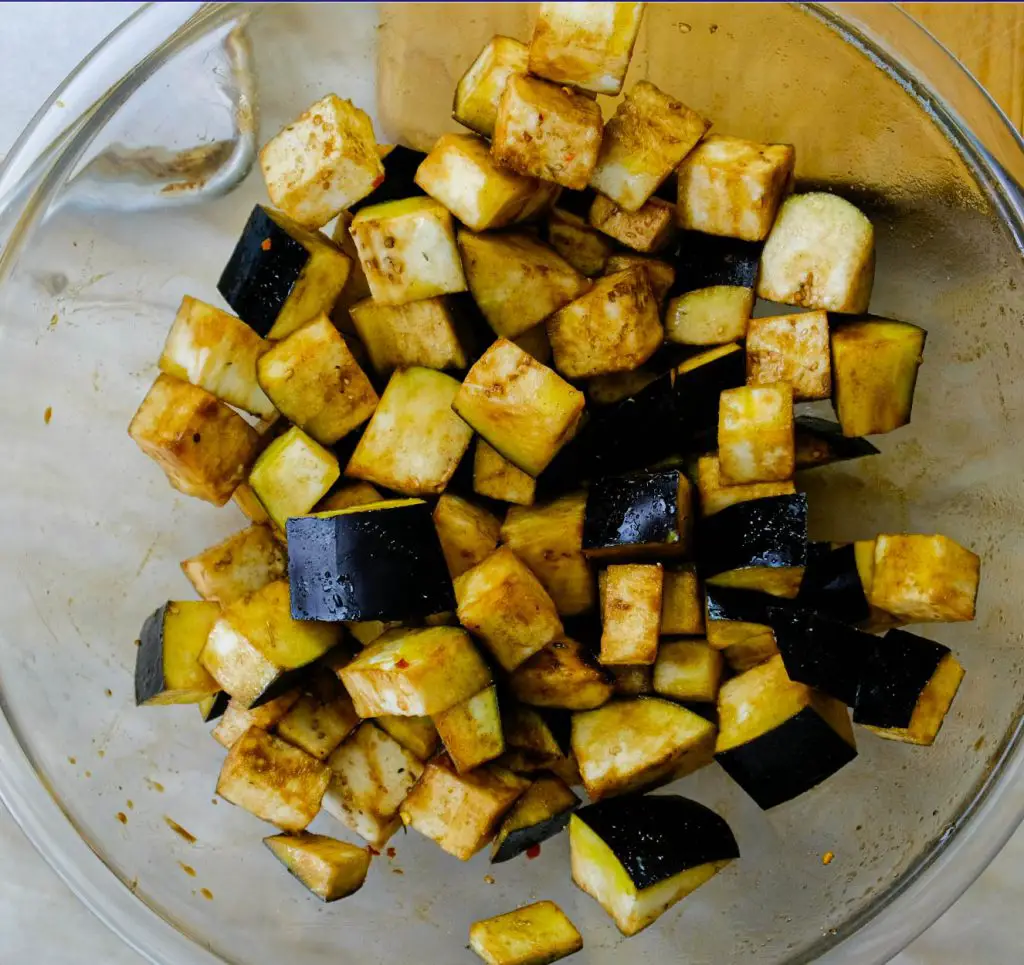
column 569, row 158
column 533, row 851
column 265, row 244
column 392, row 852
column 378, row 181
column 373, row 850
column 402, row 664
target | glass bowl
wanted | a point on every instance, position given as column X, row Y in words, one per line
column 127, row 192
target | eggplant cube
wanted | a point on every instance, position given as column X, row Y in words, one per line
column 732, row 187
column 647, row 137
column 415, row 673
column 471, row 730
column 612, row 328
column 281, row 275
column 370, row 776
column 548, row 538
column 381, row 561
column 237, row 719
column 348, row 496
column 820, row 254
column 480, row 87
column 832, row 584
column 925, row 579
column 328, row 868
column 777, row 738
column 629, row 744
column 682, row 602
column 644, row 514
column 534, row 935
column 907, row 686
column 631, row 595
column 414, row 441
column 874, row 372
column 494, row 476
column 217, row 352
column 540, row 203
column 755, row 434
column 739, row 621
column 632, row 680
column 241, row 564
column 563, row 675
column 460, row 812
column 648, row 229
column 292, row 475
column 273, row 780
column 688, row 670
column 318, row 727
column 249, row 504
column 542, row 738
column 316, row 383
column 820, row 442
column 322, row 162
column 418, row 735
column 423, row 333
column 468, row 533
column 546, row 131
column 522, row 408
column 584, row 247
column 504, row 604
column 585, row 45
column 408, row 250
column 793, row 349
column 460, row 173
column 639, row 856
column 699, row 383
column 167, row 667
column 716, row 496
column 661, row 274
column 213, row 706
column 204, row 447
column 516, row 280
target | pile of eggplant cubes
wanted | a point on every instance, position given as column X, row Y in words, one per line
column 521, row 468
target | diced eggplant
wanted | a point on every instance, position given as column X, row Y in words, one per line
column 468, row 533
column 544, row 737
column 820, row 442
column 644, row 141
column 541, row 813
column 907, row 685
column 248, row 502
column 631, row 595
column 820, row 254
column 213, row 706
column 408, row 250
column 292, row 475
column 504, row 604
column 632, row 680
column 644, row 514
column 356, row 287
column 318, row 726
column 682, row 602
column 380, row 561
column 714, row 496
column 522, row 408
column 874, row 372
column 281, row 275
column 480, row 87
column 733, row 187
column 316, row 383
column 688, row 670
column 217, row 352
column 536, row 934
column 415, row 734
column 412, row 673
column 370, row 776
column 638, row 856
column 757, row 545
column 400, row 167
column 755, row 434
column 546, row 131
column 237, row 719
column 738, row 617
column 629, row 744
column 649, row 229
column 584, row 247
column 832, row 585
column 535, row 343
column 273, row 780
column 366, row 632
column 460, row 812
column 777, row 738
column 414, row 441
column 167, row 666
column 240, row 564
column 256, row 642
column 203, row 446
column 585, row 45
column 924, row 579
column 793, row 349
column 539, row 204
column 471, row 730
column 661, row 274
column 460, row 173
column 516, row 280
column 700, row 381
column 612, row 328
column 497, row 478
column 348, row 495
column 563, row 675
column 330, row 869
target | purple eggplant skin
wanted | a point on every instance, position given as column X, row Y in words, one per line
column 770, row 532
column 636, row 510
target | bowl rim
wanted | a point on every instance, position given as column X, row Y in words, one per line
column 31, row 175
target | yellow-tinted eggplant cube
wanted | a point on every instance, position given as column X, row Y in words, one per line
column 661, row 273
column 716, row 496
column 647, row 229
column 478, row 90
column 421, row 333
column 793, row 349
column 292, row 475
column 755, row 434
column 494, row 476
column 242, row 563
column 468, row 533
column 631, row 599
column 584, row 247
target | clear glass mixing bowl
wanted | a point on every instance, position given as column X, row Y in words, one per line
column 127, row 192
